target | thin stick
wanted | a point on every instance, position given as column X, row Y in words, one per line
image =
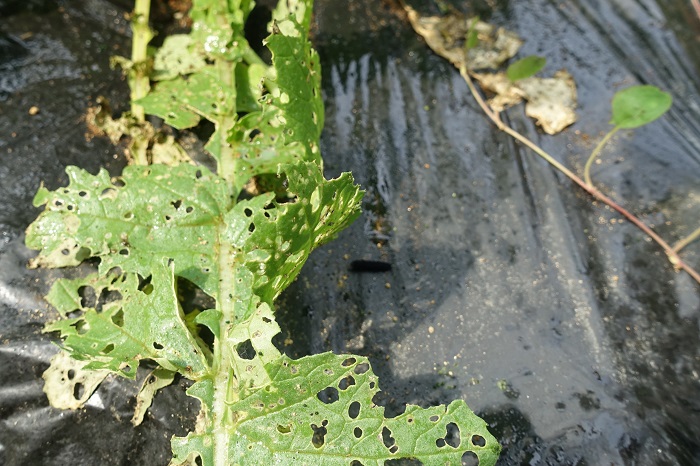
column 589, row 188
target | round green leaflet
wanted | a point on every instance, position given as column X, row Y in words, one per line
column 638, row 105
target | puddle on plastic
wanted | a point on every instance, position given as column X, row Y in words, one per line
column 564, row 328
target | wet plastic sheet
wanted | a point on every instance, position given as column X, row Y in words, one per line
column 567, row 330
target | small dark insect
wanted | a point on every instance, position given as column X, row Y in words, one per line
column 369, row 266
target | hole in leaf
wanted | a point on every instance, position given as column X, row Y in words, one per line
column 356, row 463
column 245, row 350
column 328, row 395
column 108, row 193
column 189, row 209
column 357, row 432
column 452, row 438
column 108, row 349
column 251, row 227
column 71, row 374
column 469, row 458
column 388, row 440
column 346, row 382
column 82, row 193
column 157, row 345
column 81, row 326
column 440, row 442
column 354, row 409
column 143, row 282
column 478, row 441
column 106, row 297
column 198, row 461
column 88, row 298
column 128, row 216
column 198, row 174
column 65, row 252
column 78, row 390
column 253, row 133
column 123, row 252
column 319, row 436
column 349, row 362
column 118, row 318
column 176, row 204
column 404, row 462
column 361, row 368
column 434, row 418
column 247, row 212
column 206, row 336
column 284, row 429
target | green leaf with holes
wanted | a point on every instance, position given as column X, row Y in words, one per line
column 183, row 214
column 182, row 102
column 639, row 105
column 319, row 409
column 114, row 323
column 296, row 93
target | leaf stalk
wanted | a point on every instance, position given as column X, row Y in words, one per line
column 595, row 153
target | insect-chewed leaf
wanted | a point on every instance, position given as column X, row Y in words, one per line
column 114, row 324
column 319, row 410
column 146, row 215
column 67, row 385
column 297, row 94
column 182, row 214
column 525, row 67
column 183, row 102
column 179, row 55
column 638, row 105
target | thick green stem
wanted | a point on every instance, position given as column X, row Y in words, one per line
column 595, row 153
column 228, row 80
column 672, row 253
column 142, row 35
column 139, row 80
column 225, row 383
